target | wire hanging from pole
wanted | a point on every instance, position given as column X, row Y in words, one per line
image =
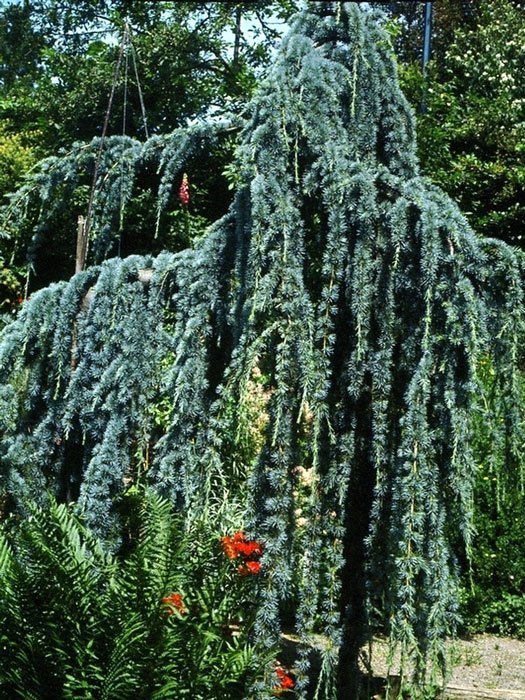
column 126, row 73
column 139, row 88
column 84, row 224
column 124, row 119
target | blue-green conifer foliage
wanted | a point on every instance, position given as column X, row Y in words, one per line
column 358, row 291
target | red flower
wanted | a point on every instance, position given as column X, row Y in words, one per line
column 249, row 567
column 229, row 547
column 237, row 545
column 174, row 602
column 184, row 190
column 250, row 548
column 286, row 682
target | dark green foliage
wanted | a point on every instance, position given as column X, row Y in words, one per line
column 492, row 611
column 359, row 292
column 494, row 588
column 76, row 622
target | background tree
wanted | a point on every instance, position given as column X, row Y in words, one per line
column 192, row 58
column 471, row 137
column 183, row 61
column 409, row 21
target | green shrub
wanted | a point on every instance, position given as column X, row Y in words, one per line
column 503, row 615
column 494, row 583
column 79, row 622
column 15, row 159
column 494, row 599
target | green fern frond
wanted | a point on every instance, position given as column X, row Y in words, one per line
column 123, row 677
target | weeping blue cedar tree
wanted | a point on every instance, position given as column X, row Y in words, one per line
column 358, row 290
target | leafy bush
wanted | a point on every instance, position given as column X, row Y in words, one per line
column 494, row 599
column 504, row 615
column 168, row 618
column 15, row 159
column 494, row 583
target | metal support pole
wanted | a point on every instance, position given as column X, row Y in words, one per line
column 427, row 36
column 427, row 41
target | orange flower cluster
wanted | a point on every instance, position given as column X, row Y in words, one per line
column 286, row 682
column 237, row 545
column 174, row 602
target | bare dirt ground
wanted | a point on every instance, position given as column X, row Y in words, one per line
column 482, row 662
column 482, row 667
